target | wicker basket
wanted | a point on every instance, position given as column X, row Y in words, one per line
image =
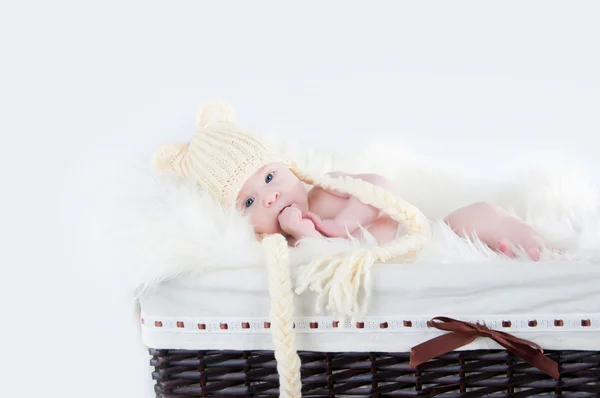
column 479, row 373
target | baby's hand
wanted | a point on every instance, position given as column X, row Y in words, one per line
column 327, row 227
column 292, row 223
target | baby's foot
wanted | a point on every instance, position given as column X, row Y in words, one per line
column 505, row 247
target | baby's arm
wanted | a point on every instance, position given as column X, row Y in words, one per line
column 354, row 213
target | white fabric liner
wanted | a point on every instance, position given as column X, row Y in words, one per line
column 518, row 292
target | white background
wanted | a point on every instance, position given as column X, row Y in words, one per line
column 89, row 89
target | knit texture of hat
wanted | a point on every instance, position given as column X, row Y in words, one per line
column 220, row 157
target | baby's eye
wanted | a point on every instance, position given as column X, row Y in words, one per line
column 249, row 202
column 269, row 178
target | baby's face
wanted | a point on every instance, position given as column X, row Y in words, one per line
column 267, row 193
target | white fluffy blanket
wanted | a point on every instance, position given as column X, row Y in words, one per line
column 175, row 230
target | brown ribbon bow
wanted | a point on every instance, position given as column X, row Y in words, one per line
column 465, row 333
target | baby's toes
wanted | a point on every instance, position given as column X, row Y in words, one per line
column 534, row 253
column 504, row 248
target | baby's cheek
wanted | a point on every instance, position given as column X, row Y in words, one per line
column 264, row 223
column 256, row 220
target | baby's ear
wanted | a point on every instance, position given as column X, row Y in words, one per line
column 215, row 111
column 164, row 156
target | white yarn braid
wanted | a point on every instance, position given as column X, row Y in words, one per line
column 341, row 277
column 281, row 316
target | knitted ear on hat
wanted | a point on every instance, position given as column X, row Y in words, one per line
column 215, row 111
column 166, row 155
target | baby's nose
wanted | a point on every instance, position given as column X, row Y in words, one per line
column 271, row 198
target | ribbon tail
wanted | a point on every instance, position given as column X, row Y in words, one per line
column 438, row 346
column 532, row 356
column 545, row 364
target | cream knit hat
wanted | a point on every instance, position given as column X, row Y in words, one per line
column 220, row 157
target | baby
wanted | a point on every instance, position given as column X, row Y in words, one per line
column 276, row 201
column 240, row 172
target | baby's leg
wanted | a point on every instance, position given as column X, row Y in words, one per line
column 497, row 228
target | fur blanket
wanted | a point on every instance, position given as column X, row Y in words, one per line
column 170, row 229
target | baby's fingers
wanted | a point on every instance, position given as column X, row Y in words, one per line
column 312, row 217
